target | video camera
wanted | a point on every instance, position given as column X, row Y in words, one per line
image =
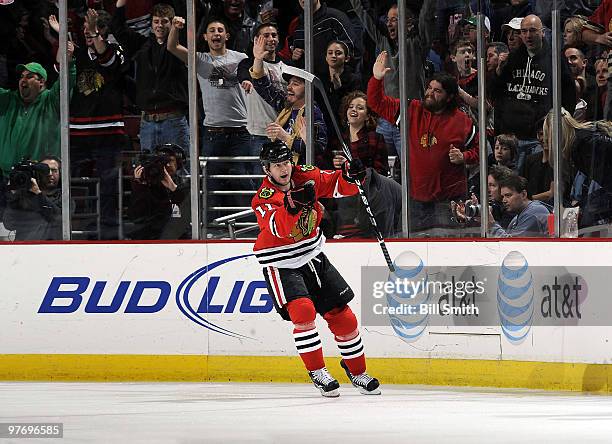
column 155, row 162
column 469, row 211
column 472, row 212
column 153, row 166
column 21, row 175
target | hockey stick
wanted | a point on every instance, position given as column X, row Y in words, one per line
column 309, row 77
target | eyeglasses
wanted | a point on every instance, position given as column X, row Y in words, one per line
column 531, row 30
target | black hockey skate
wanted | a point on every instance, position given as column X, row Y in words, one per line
column 325, row 382
column 366, row 384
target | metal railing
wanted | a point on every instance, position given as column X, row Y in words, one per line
column 88, row 183
column 122, row 191
column 227, row 221
column 231, row 221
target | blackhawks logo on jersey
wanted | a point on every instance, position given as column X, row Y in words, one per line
column 305, row 224
column 307, row 167
column 90, row 81
column 266, row 193
column 428, row 140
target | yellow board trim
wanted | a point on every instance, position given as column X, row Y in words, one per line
column 594, row 378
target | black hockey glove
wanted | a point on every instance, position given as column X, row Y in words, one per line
column 298, row 198
column 354, row 170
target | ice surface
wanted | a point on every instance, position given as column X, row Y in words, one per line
column 296, row 413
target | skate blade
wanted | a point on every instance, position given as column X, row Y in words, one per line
column 363, row 391
column 331, row 394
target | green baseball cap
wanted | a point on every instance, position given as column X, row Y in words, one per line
column 34, row 67
column 473, row 20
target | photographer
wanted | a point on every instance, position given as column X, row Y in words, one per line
column 160, row 196
column 531, row 218
column 34, row 200
column 469, row 211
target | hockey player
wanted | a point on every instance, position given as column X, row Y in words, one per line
column 300, row 278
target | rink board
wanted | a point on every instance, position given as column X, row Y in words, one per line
column 200, row 311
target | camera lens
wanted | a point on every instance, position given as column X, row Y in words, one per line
column 472, row 211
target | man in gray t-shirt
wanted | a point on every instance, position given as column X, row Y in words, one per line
column 224, row 101
column 223, row 97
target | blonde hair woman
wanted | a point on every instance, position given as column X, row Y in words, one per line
column 572, row 30
column 586, row 147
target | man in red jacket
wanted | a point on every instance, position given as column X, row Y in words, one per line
column 300, row 278
column 442, row 141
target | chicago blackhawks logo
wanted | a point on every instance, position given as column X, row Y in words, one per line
column 266, row 193
column 305, row 224
column 428, row 140
column 90, row 81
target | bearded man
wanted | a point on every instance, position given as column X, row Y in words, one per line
column 442, row 141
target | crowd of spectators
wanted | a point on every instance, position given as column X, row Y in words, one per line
column 129, row 57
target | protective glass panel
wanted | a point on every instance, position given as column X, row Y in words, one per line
column 443, row 146
column 30, row 190
column 586, row 206
column 234, row 116
column 128, row 126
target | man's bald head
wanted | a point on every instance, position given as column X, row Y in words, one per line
column 532, row 33
column 532, row 20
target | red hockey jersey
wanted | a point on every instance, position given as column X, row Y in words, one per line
column 290, row 241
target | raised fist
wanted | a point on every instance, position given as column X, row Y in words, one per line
column 178, row 22
column 298, row 198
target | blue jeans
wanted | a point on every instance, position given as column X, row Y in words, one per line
column 255, row 144
column 232, row 143
column 173, row 130
column 525, row 148
column 235, row 142
column 254, row 150
column 391, row 133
